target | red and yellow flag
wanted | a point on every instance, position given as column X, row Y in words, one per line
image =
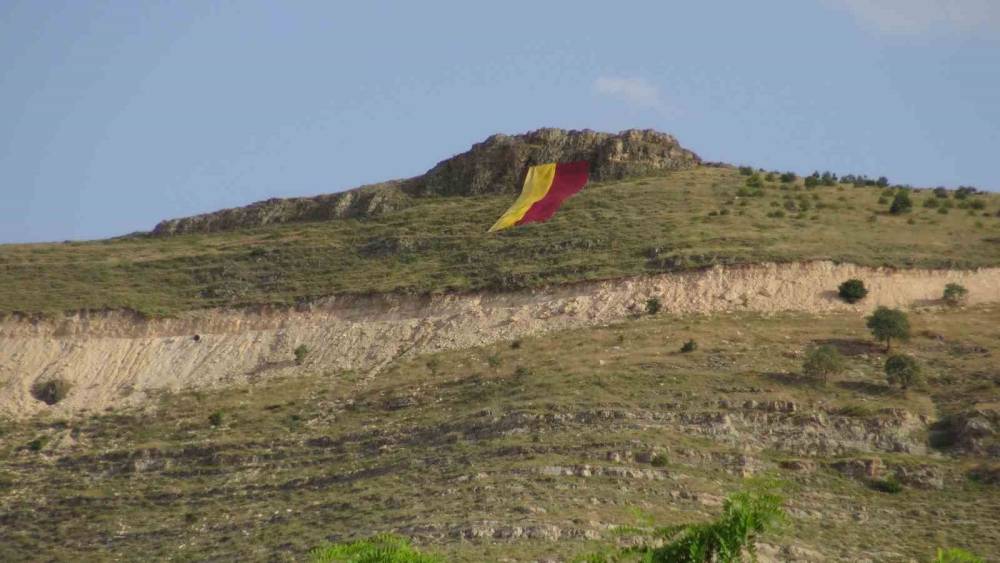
column 546, row 187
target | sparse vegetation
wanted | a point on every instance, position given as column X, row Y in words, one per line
column 689, row 346
column 887, row 324
column 852, row 290
column 956, row 555
column 903, row 370
column 659, row 459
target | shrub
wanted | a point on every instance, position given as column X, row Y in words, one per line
column 886, row 324
column 788, row 177
column 931, row 203
column 515, row 344
column 659, row 460
column 755, row 181
column 746, row 170
column 38, row 443
column 301, row 351
column 902, row 370
column 954, row 294
column 943, row 210
column 889, row 485
column 812, row 181
column 978, row 204
column 941, row 192
column 956, row 555
column 901, row 203
column 494, row 361
column 216, row 418
column 745, row 517
column 383, row 548
column 689, row 346
column 822, row 362
column 882, row 182
column 852, row 290
column 653, row 305
column 51, row 391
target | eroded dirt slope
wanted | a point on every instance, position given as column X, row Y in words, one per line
column 116, row 359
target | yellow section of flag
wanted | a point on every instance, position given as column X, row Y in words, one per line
column 536, row 185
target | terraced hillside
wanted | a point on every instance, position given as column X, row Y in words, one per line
column 536, row 448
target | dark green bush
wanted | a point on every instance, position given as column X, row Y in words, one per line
column 888, row 485
column 931, row 203
column 852, row 290
column 954, row 294
column 216, row 418
column 51, row 391
column 956, row 555
column 653, row 305
column 659, row 460
column 301, row 351
column 901, row 203
column 746, row 170
column 689, row 346
column 788, row 177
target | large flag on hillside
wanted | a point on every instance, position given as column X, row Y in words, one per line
column 546, row 187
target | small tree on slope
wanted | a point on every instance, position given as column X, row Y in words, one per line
column 886, row 324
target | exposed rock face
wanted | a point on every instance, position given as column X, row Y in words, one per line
column 496, row 165
column 367, row 201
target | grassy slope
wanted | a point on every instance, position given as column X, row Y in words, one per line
column 650, row 225
column 419, row 448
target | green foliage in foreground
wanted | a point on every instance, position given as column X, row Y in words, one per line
column 956, row 555
column 886, row 324
column 383, row 548
column 746, row 516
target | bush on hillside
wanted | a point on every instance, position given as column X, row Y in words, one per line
column 888, row 485
column 954, row 294
column 852, row 290
column 689, row 346
column 653, row 305
column 901, row 203
column 51, row 391
column 301, row 351
column 823, row 362
column 746, row 170
column 887, row 324
column 216, row 418
column 788, row 177
column 755, row 181
column 882, row 182
column 903, row 370
column 941, row 192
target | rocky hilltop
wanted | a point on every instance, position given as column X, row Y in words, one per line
column 494, row 166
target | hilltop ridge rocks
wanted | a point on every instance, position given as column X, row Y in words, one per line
column 495, row 165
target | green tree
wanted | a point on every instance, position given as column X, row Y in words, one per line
column 822, row 362
column 886, row 324
column 902, row 370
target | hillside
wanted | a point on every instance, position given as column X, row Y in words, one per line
column 249, row 383
column 672, row 220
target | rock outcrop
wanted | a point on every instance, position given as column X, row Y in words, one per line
column 496, row 165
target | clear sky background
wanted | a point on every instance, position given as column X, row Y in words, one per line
column 115, row 115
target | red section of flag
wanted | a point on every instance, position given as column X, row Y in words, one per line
column 570, row 178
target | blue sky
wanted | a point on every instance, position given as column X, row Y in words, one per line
column 115, row 115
